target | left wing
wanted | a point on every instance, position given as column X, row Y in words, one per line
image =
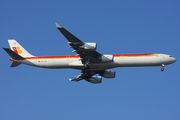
column 89, row 77
column 87, row 51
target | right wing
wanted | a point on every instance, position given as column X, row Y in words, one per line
column 70, row 37
column 86, row 55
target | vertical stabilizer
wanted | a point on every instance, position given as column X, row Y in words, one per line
column 17, row 48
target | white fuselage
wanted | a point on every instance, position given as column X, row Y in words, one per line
column 123, row 60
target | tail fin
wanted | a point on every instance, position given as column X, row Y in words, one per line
column 17, row 48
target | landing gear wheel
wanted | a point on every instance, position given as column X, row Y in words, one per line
column 83, row 70
column 87, row 62
column 86, row 67
column 162, row 67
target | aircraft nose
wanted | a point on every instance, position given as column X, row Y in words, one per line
column 171, row 59
column 175, row 59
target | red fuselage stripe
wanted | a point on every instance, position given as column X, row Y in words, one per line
column 70, row 57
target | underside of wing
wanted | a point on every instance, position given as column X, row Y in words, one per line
column 70, row 37
column 88, row 76
column 87, row 51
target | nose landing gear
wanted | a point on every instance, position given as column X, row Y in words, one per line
column 162, row 67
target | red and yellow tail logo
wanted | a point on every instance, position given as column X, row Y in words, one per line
column 17, row 50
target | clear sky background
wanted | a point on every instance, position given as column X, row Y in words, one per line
column 118, row 27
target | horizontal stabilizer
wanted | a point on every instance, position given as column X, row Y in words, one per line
column 13, row 54
column 14, row 64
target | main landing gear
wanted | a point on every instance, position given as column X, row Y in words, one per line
column 162, row 67
column 86, row 66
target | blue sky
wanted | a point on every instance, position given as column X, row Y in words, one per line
column 118, row 26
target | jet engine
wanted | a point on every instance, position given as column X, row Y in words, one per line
column 95, row 79
column 89, row 46
column 109, row 74
column 107, row 58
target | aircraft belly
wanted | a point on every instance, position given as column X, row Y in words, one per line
column 48, row 63
column 103, row 66
column 58, row 63
column 28, row 62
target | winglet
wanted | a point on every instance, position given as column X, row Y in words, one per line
column 57, row 25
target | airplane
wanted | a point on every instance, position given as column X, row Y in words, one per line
column 88, row 60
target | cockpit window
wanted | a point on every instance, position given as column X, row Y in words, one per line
column 170, row 56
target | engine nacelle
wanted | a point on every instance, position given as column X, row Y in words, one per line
column 89, row 46
column 107, row 58
column 95, row 79
column 109, row 74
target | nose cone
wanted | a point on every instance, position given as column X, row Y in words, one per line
column 168, row 59
column 174, row 60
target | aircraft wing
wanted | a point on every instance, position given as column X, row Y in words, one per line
column 78, row 78
column 88, row 76
column 80, row 47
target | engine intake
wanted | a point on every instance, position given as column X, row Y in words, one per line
column 95, row 79
column 109, row 74
column 107, row 58
column 89, row 46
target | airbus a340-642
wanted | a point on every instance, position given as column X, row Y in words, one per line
column 88, row 60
